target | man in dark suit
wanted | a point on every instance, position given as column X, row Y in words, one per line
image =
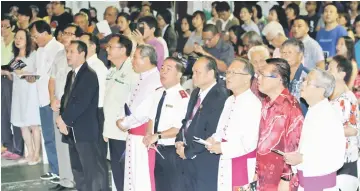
column 200, row 168
column 78, row 121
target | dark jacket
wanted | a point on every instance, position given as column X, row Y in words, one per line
column 170, row 38
column 82, row 107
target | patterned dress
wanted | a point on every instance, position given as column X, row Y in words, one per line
column 280, row 128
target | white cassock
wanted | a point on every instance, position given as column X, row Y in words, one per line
column 138, row 174
column 322, row 145
column 238, row 130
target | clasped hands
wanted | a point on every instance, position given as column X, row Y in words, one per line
column 61, row 125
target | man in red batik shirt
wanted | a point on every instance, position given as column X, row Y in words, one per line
column 280, row 127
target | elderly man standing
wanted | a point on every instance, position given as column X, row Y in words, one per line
column 200, row 168
column 120, row 82
column 322, row 144
column 237, row 132
column 280, row 127
column 139, row 171
column 257, row 56
column 275, row 35
column 292, row 51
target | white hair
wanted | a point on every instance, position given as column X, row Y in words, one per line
column 273, row 28
column 324, row 80
column 258, row 49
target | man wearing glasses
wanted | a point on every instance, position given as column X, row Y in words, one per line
column 237, row 132
column 280, row 127
column 216, row 48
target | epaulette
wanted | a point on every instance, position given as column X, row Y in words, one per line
column 183, row 94
column 158, row 88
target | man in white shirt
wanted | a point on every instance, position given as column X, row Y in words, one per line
column 275, row 35
column 322, row 142
column 166, row 115
column 45, row 59
column 92, row 42
column 59, row 72
column 139, row 161
column 237, row 132
column 120, row 82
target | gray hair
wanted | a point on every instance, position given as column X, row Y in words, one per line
column 274, row 29
column 296, row 43
column 258, row 49
column 254, row 38
column 248, row 68
column 324, row 80
column 148, row 51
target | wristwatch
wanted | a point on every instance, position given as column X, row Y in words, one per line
column 159, row 135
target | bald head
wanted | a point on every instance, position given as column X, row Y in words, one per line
column 111, row 14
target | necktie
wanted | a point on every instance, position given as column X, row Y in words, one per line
column 196, row 107
column 158, row 112
column 71, row 87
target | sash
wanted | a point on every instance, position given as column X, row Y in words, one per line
column 317, row 183
column 140, row 130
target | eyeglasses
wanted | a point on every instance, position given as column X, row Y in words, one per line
column 67, row 33
column 266, row 76
column 228, row 72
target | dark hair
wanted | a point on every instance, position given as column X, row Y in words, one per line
column 35, row 8
column 93, row 19
column 222, row 7
column 349, row 43
column 248, row 8
column 239, row 31
column 25, row 11
column 93, row 40
column 63, row 3
column 150, row 21
column 123, row 14
column 11, row 20
column 357, row 19
column 282, row 68
column 294, row 42
column 201, row 14
column 211, row 28
column 249, row 68
column 87, row 12
column 189, row 20
column 81, row 46
column 16, row 50
column 211, row 65
column 215, row 3
column 41, row 26
column 69, row 10
column 124, row 42
column 294, row 7
column 166, row 15
column 78, row 30
column 281, row 15
column 304, row 18
column 329, row 5
column 347, row 18
column 258, row 10
column 179, row 65
column 344, row 65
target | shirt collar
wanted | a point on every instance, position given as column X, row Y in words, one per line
column 175, row 88
column 298, row 73
column 244, row 94
column 306, row 38
column 284, row 95
column 164, row 29
column 148, row 73
column 77, row 69
column 48, row 45
column 203, row 94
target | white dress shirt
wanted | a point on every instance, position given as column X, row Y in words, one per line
column 173, row 110
column 140, row 100
column 101, row 71
column 45, row 59
column 322, row 141
column 59, row 72
column 119, row 84
column 164, row 30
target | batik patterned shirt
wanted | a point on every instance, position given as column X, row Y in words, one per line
column 280, row 128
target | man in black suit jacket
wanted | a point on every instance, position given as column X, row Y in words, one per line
column 200, row 168
column 78, row 121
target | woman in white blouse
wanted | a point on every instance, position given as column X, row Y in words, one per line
column 25, row 111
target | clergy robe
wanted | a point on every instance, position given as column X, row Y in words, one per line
column 139, row 161
column 239, row 128
column 322, row 145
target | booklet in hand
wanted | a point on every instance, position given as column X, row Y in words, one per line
column 127, row 110
column 201, row 141
column 14, row 65
column 24, row 76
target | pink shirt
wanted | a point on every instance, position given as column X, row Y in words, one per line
column 159, row 48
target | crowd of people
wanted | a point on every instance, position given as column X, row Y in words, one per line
column 266, row 100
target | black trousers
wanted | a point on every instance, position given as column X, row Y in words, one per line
column 88, row 166
column 117, row 149
column 13, row 141
column 102, row 143
column 167, row 171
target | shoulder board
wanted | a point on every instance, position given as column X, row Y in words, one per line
column 158, row 88
column 183, row 94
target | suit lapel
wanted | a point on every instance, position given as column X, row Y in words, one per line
column 208, row 106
